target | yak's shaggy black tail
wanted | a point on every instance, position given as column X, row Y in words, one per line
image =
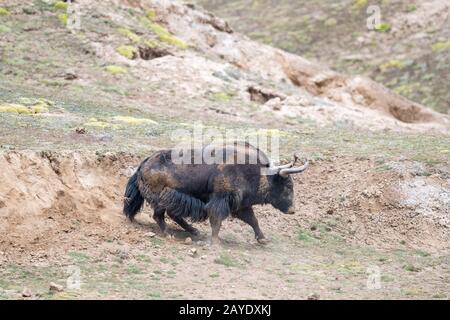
column 133, row 201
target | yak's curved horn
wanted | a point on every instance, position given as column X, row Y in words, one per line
column 285, row 166
column 288, row 171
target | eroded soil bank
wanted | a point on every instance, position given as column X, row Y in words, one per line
column 62, row 209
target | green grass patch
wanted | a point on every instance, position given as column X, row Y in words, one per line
column 154, row 295
column 383, row 27
column 4, row 29
column 133, row 269
column 422, row 253
column 305, row 236
column 78, row 257
column 226, row 260
column 411, row 268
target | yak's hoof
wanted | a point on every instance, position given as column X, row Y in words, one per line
column 215, row 242
column 168, row 235
column 262, row 241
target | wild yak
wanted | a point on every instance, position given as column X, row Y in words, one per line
column 200, row 190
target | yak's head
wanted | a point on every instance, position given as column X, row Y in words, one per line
column 281, row 185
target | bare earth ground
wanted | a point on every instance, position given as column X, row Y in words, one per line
column 353, row 216
column 373, row 213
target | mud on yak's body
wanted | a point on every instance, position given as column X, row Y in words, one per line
column 214, row 191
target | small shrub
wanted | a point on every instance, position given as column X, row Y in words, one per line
column 440, row 46
column 60, row 5
column 383, row 27
column 116, row 69
column 128, row 52
column 63, row 18
column 151, row 14
column 411, row 268
column 4, row 12
column 226, row 260
column 164, row 35
column 129, row 34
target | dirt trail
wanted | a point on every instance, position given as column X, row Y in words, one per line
column 58, row 209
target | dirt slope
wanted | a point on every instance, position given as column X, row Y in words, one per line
column 408, row 54
column 365, row 206
column 65, row 209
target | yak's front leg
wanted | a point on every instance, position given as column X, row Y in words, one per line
column 218, row 208
column 248, row 216
column 216, row 223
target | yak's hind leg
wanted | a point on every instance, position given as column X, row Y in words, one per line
column 182, row 223
column 248, row 216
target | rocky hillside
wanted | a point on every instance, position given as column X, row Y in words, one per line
column 409, row 52
column 148, row 41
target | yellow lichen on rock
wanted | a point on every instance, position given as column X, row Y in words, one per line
column 133, row 121
column 127, row 51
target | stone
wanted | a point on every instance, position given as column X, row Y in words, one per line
column 26, row 293
column 55, row 287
